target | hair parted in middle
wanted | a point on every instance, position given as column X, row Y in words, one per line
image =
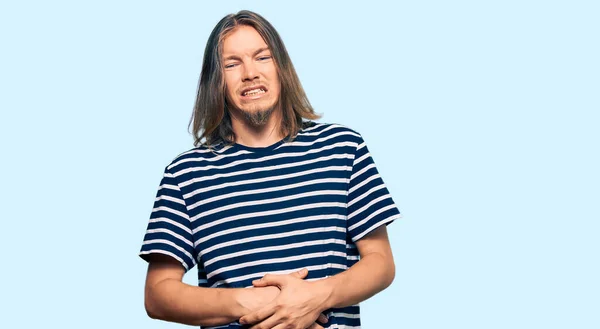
column 211, row 119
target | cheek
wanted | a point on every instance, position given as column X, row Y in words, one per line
column 230, row 85
column 231, row 96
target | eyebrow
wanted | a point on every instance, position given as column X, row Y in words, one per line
column 258, row 51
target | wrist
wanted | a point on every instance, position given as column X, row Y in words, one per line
column 248, row 300
column 241, row 299
column 326, row 287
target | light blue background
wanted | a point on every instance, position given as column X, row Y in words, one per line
column 482, row 117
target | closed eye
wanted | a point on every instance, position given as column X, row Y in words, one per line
column 262, row 58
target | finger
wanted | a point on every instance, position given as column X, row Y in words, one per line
column 271, row 322
column 315, row 326
column 300, row 274
column 271, row 280
column 281, row 326
column 322, row 318
column 258, row 315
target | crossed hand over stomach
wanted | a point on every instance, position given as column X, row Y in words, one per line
column 297, row 306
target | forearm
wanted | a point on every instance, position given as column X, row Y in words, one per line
column 175, row 301
column 370, row 275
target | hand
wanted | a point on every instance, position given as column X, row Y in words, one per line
column 297, row 306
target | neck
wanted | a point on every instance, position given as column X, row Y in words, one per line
column 250, row 134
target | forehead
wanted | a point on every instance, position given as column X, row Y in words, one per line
column 243, row 40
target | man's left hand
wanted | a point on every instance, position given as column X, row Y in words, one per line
column 297, row 306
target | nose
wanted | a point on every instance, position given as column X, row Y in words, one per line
column 250, row 72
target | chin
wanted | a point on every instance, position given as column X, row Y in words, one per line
column 257, row 107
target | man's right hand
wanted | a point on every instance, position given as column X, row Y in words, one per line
column 252, row 299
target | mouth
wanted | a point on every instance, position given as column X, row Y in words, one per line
column 254, row 91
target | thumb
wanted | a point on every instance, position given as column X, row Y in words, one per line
column 301, row 274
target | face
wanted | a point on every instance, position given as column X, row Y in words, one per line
column 250, row 74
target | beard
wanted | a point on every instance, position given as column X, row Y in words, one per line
column 259, row 117
column 255, row 117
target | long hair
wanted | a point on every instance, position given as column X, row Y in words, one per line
column 211, row 119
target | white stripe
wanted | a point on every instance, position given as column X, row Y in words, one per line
column 264, row 179
column 273, row 236
column 170, row 198
column 331, row 126
column 360, row 172
column 268, row 201
column 173, row 211
column 274, row 248
column 363, row 144
column 374, row 201
column 342, row 326
column 322, row 139
column 371, row 215
column 154, row 230
column 204, row 159
column 265, row 225
column 217, row 327
column 275, row 261
column 344, row 315
column 261, row 274
column 265, row 213
column 163, row 241
column 359, row 160
column 169, row 187
column 362, row 196
column 362, row 183
column 172, row 222
column 164, row 252
column 387, row 220
column 268, row 189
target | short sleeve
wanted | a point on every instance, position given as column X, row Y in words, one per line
column 370, row 204
column 168, row 230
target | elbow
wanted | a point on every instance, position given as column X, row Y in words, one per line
column 152, row 306
column 151, row 309
column 389, row 272
column 391, row 275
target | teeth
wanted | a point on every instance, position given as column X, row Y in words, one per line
column 254, row 92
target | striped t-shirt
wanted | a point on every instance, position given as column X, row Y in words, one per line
column 240, row 212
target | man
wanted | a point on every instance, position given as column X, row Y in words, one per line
column 285, row 218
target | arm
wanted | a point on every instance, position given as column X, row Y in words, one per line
column 374, row 272
column 300, row 301
column 167, row 298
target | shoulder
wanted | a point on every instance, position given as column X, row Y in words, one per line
column 339, row 134
column 191, row 157
column 330, row 129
